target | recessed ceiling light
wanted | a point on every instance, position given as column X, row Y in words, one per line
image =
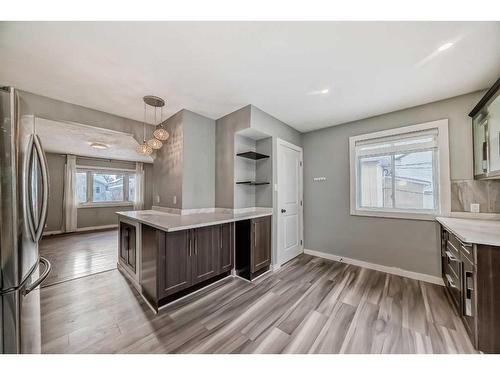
column 445, row 47
column 99, row 146
column 319, row 92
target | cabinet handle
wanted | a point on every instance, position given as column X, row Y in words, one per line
column 451, row 256
column 195, row 243
column 189, row 242
column 220, row 237
column 450, row 281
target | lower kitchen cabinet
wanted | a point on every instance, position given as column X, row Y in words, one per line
column 176, row 263
column 471, row 274
column 260, row 243
column 253, row 247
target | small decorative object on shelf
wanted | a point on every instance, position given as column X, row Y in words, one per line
column 252, row 155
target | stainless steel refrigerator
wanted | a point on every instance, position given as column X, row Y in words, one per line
column 24, row 192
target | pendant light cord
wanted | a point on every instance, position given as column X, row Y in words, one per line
column 144, row 123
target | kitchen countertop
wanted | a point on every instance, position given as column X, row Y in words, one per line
column 173, row 222
column 484, row 232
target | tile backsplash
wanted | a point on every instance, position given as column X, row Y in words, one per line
column 484, row 192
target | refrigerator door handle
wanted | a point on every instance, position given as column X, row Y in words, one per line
column 28, row 163
column 45, row 188
column 42, row 277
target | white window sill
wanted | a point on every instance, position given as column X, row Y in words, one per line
column 427, row 216
column 106, row 204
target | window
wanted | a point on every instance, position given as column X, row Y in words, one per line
column 101, row 187
column 401, row 172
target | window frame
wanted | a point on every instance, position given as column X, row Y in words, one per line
column 441, row 172
column 90, row 171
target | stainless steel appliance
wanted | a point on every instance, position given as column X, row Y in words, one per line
column 24, row 190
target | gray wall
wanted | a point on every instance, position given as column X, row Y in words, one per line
column 198, row 180
column 168, row 166
column 328, row 226
column 226, row 128
column 185, row 166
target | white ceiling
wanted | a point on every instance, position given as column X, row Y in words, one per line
column 63, row 137
column 214, row 68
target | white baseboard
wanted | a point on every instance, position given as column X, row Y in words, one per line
column 378, row 267
column 84, row 229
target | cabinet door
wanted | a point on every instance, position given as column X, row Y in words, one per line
column 127, row 245
column 226, row 246
column 205, row 253
column 481, row 151
column 174, row 269
column 261, row 243
column 124, row 238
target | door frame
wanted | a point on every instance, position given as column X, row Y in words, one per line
column 281, row 142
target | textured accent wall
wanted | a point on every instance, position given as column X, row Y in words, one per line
column 484, row 192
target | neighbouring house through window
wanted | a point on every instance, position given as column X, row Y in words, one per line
column 401, row 172
column 96, row 187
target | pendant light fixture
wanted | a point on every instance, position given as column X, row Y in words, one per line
column 160, row 134
column 154, row 143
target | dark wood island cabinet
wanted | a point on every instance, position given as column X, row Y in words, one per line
column 176, row 263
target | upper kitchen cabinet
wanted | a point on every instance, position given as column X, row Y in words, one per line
column 486, row 134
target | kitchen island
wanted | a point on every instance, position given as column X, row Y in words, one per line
column 167, row 256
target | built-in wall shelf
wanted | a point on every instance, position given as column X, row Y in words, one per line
column 252, row 155
column 252, row 183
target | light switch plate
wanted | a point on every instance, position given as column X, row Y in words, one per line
column 474, row 207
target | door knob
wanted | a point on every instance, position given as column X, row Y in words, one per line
column 283, row 210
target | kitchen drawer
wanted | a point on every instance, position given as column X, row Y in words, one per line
column 452, row 284
column 467, row 251
column 453, row 245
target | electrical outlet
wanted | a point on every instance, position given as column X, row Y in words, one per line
column 157, row 199
column 474, row 207
column 175, row 199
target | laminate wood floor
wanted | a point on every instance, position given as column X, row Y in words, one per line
column 311, row 305
column 79, row 254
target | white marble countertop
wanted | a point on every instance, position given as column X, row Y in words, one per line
column 173, row 222
column 484, row 232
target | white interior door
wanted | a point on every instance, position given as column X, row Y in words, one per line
column 290, row 210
